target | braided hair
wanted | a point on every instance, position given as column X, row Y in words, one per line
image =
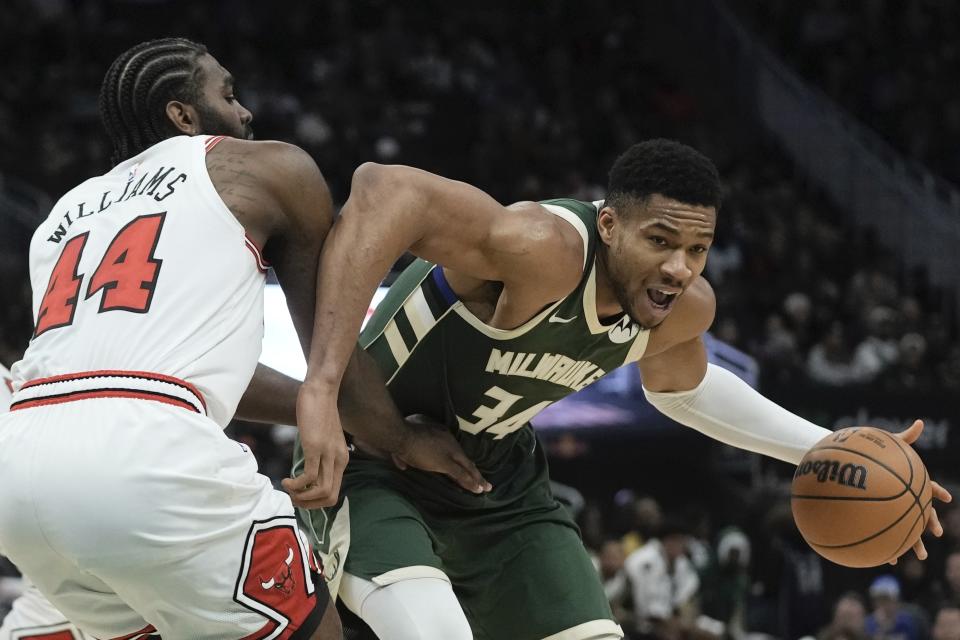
column 137, row 88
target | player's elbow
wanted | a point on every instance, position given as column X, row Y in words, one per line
column 386, row 190
column 371, row 179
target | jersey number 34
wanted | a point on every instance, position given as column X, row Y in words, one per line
column 127, row 275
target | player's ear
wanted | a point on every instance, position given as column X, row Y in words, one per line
column 184, row 117
column 606, row 221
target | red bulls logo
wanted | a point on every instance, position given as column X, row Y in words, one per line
column 282, row 579
column 275, row 579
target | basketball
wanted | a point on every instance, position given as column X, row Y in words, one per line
column 861, row 497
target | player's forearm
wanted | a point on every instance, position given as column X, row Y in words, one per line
column 366, row 409
column 727, row 409
column 271, row 397
column 376, row 226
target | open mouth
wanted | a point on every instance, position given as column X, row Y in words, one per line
column 661, row 299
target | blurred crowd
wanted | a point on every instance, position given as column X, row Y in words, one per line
column 675, row 576
column 496, row 98
column 883, row 60
column 535, row 101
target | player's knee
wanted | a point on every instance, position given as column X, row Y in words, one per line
column 416, row 609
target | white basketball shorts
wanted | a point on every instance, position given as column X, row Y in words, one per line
column 136, row 516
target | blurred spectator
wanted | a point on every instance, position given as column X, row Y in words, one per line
column 879, row 350
column 946, row 625
column 726, row 582
column 644, row 519
column 615, row 583
column 940, row 549
column 849, row 619
column 830, row 361
column 918, row 583
column 793, row 575
column 663, row 583
column 950, row 595
column 911, row 371
column 890, row 618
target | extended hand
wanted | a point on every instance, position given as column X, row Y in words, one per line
column 324, row 451
column 431, row 447
column 933, row 522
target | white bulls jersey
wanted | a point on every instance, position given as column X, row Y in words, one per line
column 144, row 269
column 126, row 504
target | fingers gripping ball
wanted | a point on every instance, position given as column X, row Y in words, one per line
column 861, row 497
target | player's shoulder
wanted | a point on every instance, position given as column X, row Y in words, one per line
column 545, row 236
column 580, row 215
column 700, row 298
column 579, row 207
column 289, row 156
column 695, row 309
column 691, row 316
column 278, row 166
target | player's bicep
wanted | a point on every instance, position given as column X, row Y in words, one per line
column 679, row 368
column 464, row 229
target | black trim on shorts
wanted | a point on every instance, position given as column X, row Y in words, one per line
column 312, row 622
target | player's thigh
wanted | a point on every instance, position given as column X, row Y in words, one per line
column 229, row 560
column 535, row 581
column 375, row 530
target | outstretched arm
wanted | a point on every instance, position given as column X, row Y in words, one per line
column 678, row 381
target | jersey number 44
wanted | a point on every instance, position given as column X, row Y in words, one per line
column 127, row 275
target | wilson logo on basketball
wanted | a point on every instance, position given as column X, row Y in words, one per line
column 849, row 475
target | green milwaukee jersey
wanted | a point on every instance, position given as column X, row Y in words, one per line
column 486, row 384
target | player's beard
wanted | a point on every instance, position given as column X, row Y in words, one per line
column 213, row 124
column 616, row 285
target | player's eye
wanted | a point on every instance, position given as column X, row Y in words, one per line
column 660, row 241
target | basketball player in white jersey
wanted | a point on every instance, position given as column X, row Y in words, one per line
column 120, row 496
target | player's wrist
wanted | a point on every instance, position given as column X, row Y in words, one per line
column 320, row 386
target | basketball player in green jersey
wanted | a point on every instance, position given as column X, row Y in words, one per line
column 508, row 310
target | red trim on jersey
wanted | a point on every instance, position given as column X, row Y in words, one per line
column 212, row 142
column 103, row 393
column 262, row 264
column 136, row 634
column 117, row 373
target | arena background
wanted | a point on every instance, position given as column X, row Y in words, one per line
column 836, row 128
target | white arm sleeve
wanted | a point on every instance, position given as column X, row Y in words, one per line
column 727, row 409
